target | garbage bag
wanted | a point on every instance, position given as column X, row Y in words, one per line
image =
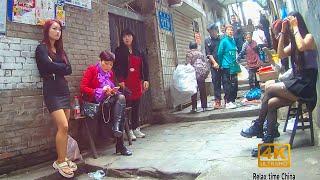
column 184, row 84
column 253, row 94
column 184, row 79
column 244, row 74
column 73, row 152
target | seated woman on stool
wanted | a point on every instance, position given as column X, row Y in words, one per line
column 303, row 52
column 97, row 86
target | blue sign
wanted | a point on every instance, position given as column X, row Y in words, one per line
column 165, row 21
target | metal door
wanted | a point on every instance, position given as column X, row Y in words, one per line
column 116, row 25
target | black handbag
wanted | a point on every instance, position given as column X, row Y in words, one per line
column 90, row 109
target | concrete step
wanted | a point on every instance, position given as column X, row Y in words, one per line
column 211, row 114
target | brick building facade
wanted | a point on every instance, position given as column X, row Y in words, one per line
column 26, row 132
column 26, row 129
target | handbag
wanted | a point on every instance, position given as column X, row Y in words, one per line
column 90, row 109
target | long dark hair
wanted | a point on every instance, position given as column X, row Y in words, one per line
column 134, row 42
column 297, row 56
column 58, row 44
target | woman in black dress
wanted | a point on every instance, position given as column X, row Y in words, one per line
column 53, row 65
column 301, row 87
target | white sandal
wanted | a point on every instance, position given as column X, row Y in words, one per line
column 61, row 166
column 73, row 166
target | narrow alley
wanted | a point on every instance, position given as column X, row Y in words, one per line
column 159, row 89
column 203, row 150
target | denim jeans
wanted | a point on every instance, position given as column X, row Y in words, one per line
column 253, row 82
column 230, row 85
column 216, row 75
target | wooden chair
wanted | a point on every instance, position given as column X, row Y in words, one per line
column 297, row 113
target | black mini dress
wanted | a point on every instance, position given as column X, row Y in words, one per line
column 55, row 87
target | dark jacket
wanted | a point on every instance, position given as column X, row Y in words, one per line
column 122, row 60
column 211, row 46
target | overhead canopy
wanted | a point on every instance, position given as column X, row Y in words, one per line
column 227, row 2
column 262, row 3
column 187, row 7
column 119, row 3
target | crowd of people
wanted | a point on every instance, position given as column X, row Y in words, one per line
column 117, row 81
column 288, row 38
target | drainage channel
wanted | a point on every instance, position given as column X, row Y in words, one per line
column 142, row 173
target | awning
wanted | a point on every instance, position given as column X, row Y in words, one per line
column 227, row 2
column 119, row 3
column 188, row 8
column 262, row 3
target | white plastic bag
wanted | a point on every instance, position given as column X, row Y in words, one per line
column 184, row 79
column 244, row 74
column 184, row 84
column 73, row 152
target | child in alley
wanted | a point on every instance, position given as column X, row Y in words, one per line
column 250, row 49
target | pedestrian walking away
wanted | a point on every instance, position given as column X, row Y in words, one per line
column 201, row 66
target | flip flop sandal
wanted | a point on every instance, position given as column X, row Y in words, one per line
column 60, row 168
column 73, row 166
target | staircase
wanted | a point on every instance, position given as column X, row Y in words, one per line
column 242, row 111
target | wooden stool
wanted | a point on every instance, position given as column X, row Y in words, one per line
column 297, row 113
column 83, row 120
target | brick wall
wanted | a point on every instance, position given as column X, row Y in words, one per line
column 310, row 11
column 26, row 129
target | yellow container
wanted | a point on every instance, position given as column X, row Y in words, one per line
column 275, row 58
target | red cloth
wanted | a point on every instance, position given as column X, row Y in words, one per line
column 134, row 81
column 90, row 82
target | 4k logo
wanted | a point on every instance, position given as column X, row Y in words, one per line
column 274, row 155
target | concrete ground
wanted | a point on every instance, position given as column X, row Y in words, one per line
column 192, row 150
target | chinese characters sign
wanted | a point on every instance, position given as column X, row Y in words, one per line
column 80, row 3
column 165, row 21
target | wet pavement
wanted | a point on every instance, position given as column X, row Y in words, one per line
column 201, row 149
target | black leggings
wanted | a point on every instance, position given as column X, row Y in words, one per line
column 135, row 114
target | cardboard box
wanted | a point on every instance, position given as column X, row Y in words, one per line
column 268, row 75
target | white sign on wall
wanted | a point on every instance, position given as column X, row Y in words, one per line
column 80, row 3
column 3, row 15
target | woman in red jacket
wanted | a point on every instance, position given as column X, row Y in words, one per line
column 97, row 86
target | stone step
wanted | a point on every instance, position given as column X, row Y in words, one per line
column 186, row 116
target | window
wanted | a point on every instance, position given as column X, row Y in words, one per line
column 195, row 26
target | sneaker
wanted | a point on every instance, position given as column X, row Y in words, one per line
column 231, row 105
column 138, row 133
column 132, row 136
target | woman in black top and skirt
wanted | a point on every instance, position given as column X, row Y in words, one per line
column 53, row 65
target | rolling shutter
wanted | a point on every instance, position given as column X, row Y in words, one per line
column 183, row 29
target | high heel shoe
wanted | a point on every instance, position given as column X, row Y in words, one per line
column 123, row 151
